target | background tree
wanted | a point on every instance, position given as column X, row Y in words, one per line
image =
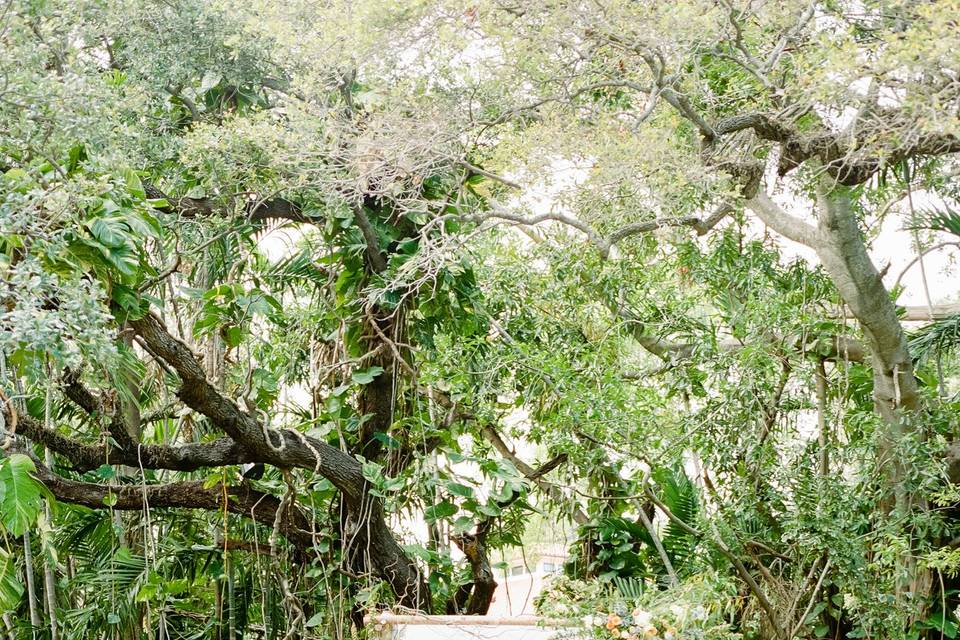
column 274, row 234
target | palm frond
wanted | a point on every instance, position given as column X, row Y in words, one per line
column 299, row 267
column 938, row 337
column 940, row 218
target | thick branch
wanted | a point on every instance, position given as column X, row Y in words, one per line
column 185, row 495
column 373, row 253
column 843, row 163
column 782, row 222
column 256, row 210
column 282, row 449
column 474, row 546
column 86, row 400
column 372, row 542
column 184, row 457
column 844, row 255
column 834, row 348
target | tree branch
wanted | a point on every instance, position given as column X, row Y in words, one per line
column 833, row 150
column 281, row 448
column 372, row 543
column 605, row 244
column 780, row 221
column 243, row 500
column 256, row 210
column 765, row 603
column 552, row 490
column 184, row 457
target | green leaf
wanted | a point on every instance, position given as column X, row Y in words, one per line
column 444, row 509
column 147, row 592
column 77, row 154
column 22, row 494
column 462, row 524
column 210, row 80
column 110, row 499
column 315, row 620
column 233, row 336
column 458, row 489
column 11, row 589
column 491, row 510
column 128, row 299
column 110, row 232
column 372, row 472
column 366, row 376
column 106, row 472
column 134, row 186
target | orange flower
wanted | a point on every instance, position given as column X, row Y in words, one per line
column 613, row 620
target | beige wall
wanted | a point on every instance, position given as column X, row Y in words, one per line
column 515, row 593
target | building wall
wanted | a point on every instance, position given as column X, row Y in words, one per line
column 523, row 580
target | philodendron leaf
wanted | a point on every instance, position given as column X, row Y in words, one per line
column 22, row 494
column 366, row 376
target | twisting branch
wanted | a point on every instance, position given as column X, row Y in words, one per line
column 244, row 501
column 177, row 93
column 377, row 547
column 602, row 243
column 475, row 597
column 86, row 400
column 183, row 457
column 781, row 221
column 256, row 210
column 373, row 253
column 834, row 348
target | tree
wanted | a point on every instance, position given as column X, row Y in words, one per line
column 153, row 343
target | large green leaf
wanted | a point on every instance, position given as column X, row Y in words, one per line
column 21, row 495
column 11, row 589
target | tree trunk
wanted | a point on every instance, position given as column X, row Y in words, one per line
column 896, row 397
column 840, row 245
column 31, row 590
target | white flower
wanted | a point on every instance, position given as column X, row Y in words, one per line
column 699, row 613
column 593, row 621
column 641, row 618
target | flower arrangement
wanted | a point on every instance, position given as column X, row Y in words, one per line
column 642, row 624
column 695, row 610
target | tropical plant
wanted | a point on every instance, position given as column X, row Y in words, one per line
column 307, row 309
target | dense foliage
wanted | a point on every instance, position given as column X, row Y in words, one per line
column 308, row 308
